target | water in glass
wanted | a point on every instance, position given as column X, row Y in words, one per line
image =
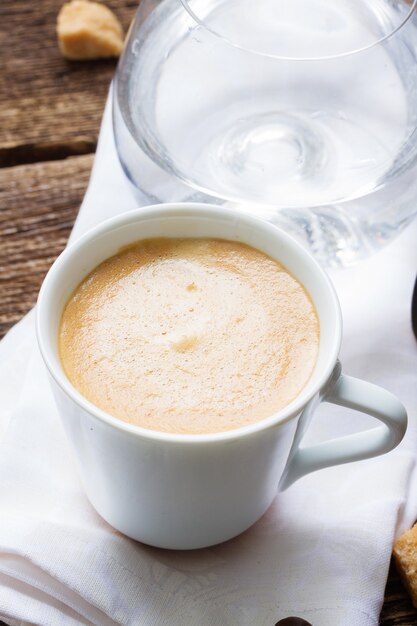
column 302, row 111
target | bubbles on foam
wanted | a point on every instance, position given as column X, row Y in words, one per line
column 185, row 343
column 200, row 339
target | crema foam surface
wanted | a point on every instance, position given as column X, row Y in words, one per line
column 189, row 335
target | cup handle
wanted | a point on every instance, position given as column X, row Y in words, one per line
column 358, row 395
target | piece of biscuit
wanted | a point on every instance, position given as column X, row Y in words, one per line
column 405, row 557
column 88, row 30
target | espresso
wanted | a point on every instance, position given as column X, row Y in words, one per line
column 189, row 335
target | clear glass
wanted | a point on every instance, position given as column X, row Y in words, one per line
column 301, row 111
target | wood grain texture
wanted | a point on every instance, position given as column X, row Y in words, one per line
column 397, row 609
column 49, row 107
column 38, row 205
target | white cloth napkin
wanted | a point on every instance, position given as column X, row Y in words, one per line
column 322, row 550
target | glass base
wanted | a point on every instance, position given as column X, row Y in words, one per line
column 327, row 232
column 337, row 234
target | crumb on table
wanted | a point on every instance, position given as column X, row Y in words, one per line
column 88, row 30
column 405, row 557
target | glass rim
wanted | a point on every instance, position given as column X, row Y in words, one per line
column 278, row 57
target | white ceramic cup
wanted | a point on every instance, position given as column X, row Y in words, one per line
column 191, row 491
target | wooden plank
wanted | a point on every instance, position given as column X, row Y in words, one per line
column 397, row 609
column 38, row 206
column 49, row 107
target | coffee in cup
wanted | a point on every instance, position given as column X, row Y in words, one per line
column 189, row 336
column 192, row 490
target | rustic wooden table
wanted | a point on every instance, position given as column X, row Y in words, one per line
column 50, row 112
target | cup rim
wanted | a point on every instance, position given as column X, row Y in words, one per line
column 182, row 209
